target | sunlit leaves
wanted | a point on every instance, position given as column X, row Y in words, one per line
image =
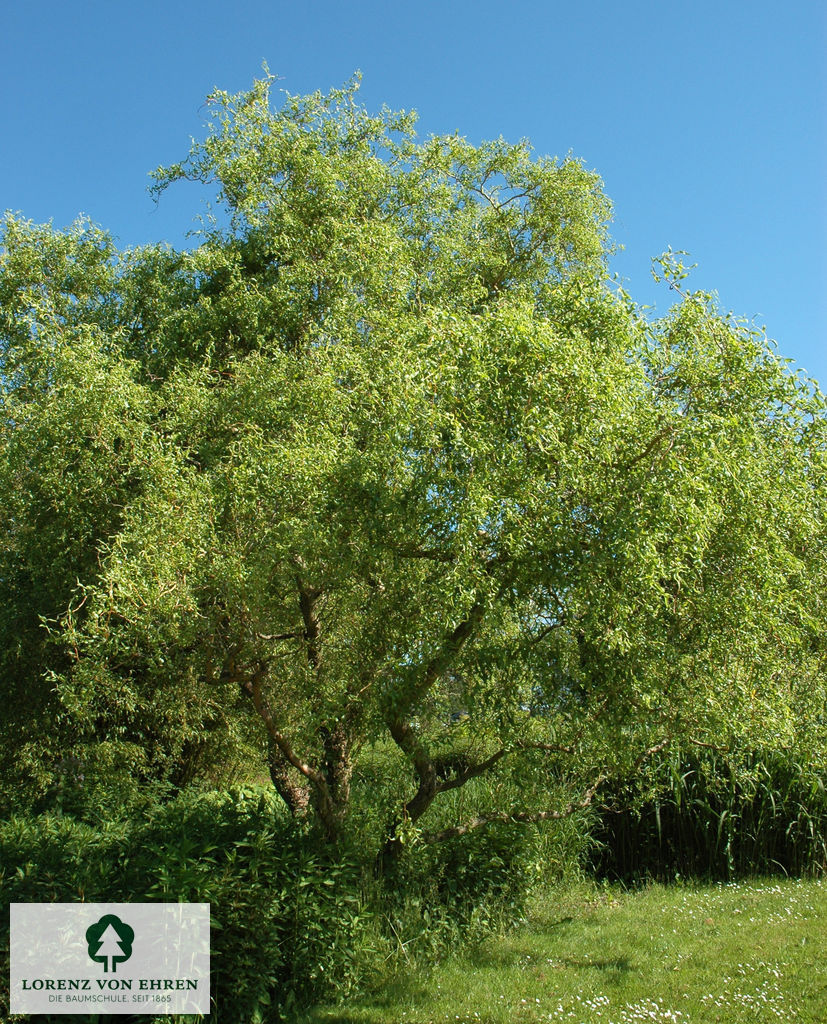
column 386, row 443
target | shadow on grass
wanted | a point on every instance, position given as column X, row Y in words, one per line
column 368, row 1005
column 620, row 964
column 413, row 992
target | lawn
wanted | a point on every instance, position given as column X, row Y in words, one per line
column 748, row 951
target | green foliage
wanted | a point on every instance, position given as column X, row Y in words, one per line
column 287, row 923
column 291, row 922
column 386, row 448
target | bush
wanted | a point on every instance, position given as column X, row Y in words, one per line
column 446, row 894
column 287, row 923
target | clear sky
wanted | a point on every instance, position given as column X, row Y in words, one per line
column 707, row 120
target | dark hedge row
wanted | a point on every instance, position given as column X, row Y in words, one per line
column 704, row 817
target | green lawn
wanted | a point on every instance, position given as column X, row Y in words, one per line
column 753, row 951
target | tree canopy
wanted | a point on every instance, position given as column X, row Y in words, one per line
column 387, row 457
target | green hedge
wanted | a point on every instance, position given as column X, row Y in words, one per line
column 287, row 923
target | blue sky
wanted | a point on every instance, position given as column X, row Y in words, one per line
column 707, row 121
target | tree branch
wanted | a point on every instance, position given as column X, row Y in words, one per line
column 706, row 746
column 308, row 600
column 451, row 647
column 410, row 551
column 252, row 685
column 649, row 449
column 650, row 751
column 472, row 771
column 272, row 637
column 401, row 730
column 528, row 817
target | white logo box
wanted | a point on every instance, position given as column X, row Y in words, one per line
column 122, row 958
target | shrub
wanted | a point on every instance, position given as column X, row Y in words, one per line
column 286, row 922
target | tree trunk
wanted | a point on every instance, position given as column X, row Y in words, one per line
column 295, row 794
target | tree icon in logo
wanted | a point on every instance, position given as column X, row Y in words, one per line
column 109, row 941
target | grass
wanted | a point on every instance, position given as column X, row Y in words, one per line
column 752, row 951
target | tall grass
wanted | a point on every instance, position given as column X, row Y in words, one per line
column 710, row 817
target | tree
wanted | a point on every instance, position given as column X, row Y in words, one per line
column 109, row 941
column 386, row 457
column 110, row 948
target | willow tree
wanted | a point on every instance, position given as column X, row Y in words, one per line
column 385, row 452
